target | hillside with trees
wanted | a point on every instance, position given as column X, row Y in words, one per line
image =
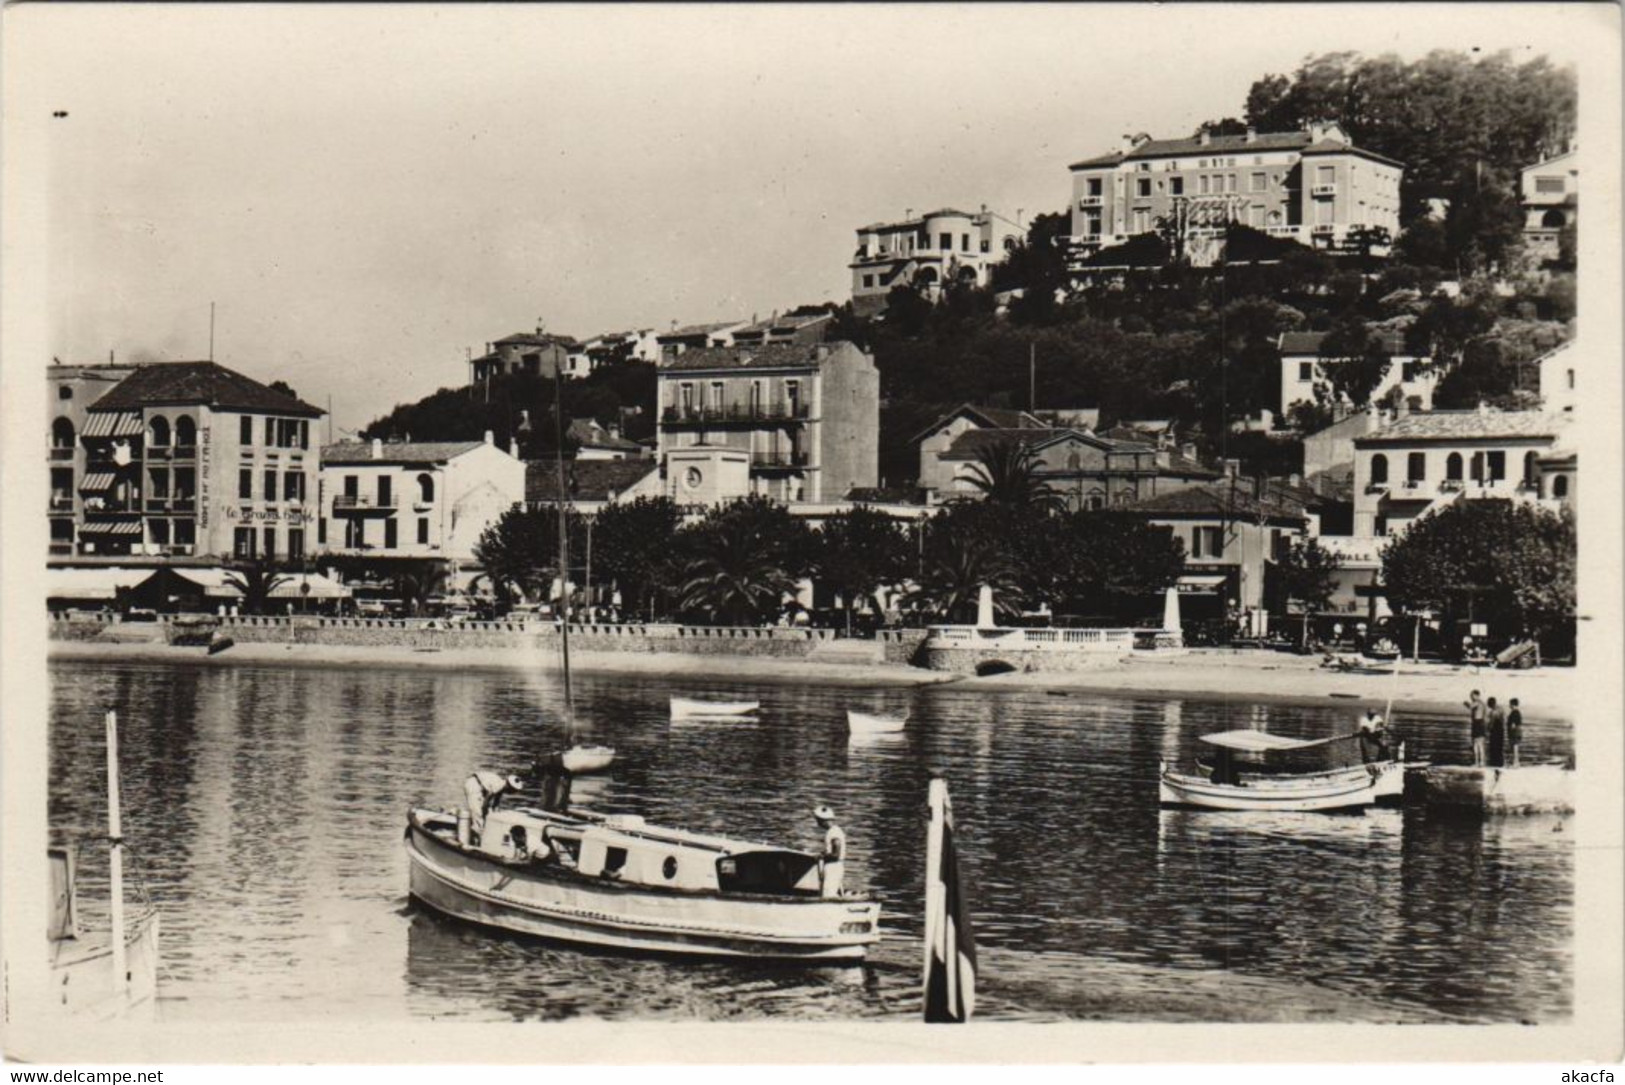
column 1198, row 345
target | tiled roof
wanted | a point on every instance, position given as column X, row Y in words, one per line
column 1220, row 502
column 1216, row 145
column 202, row 383
column 690, row 330
column 534, row 339
column 588, row 432
column 1309, row 342
column 987, row 417
column 1184, row 465
column 396, row 451
column 770, row 356
column 1468, row 425
column 972, row 441
column 593, row 480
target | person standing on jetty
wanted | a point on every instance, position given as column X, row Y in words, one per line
column 1514, row 732
column 1475, row 723
column 1496, row 720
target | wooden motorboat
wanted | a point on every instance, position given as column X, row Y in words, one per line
column 581, row 759
column 682, row 708
column 617, row 882
column 1229, row 784
column 862, row 723
column 101, row 976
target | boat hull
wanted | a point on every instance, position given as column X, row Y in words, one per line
column 1351, row 790
column 468, row 886
column 82, row 973
column 682, row 708
column 861, row 723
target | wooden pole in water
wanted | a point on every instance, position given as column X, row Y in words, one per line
column 121, row 968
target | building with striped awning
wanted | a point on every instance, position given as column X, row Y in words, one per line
column 179, row 461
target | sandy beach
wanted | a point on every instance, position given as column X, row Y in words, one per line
column 1220, row 673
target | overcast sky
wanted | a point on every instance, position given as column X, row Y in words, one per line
column 366, row 192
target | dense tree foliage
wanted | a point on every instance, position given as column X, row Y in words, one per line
column 1509, row 564
column 859, row 551
column 520, row 552
column 633, row 547
column 1308, row 573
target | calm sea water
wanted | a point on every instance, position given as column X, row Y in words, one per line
column 265, row 807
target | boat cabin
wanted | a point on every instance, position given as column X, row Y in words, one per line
column 624, row 849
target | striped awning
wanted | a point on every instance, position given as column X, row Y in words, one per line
column 113, row 424
column 112, row 527
column 99, row 480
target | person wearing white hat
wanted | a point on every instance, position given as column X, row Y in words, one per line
column 483, row 791
column 832, row 862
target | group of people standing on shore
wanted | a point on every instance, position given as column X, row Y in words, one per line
column 1496, row 733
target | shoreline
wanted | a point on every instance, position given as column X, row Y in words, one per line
column 1221, row 674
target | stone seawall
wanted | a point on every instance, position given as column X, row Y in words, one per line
column 996, row 660
column 899, row 646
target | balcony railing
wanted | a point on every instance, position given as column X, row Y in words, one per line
column 1415, row 483
column 61, row 548
column 362, row 503
column 737, row 413
column 1324, row 229
column 158, row 504
column 1282, row 231
column 1323, row 190
column 179, row 549
column 185, row 452
column 157, row 452
column 1451, row 485
column 61, row 502
column 59, row 454
column 1376, row 488
column 778, row 459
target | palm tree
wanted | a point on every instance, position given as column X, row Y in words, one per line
column 732, row 577
column 1006, row 472
column 256, row 578
column 423, row 580
column 951, row 584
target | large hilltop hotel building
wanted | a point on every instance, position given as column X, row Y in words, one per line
column 1314, row 186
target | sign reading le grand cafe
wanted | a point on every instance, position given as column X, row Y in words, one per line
column 293, row 515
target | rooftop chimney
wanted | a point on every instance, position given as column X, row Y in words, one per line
column 513, row 447
column 377, row 448
column 1232, row 468
column 1252, row 134
column 1204, row 137
column 490, row 438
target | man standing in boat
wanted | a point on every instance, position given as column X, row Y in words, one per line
column 1373, row 740
column 483, row 790
column 832, row 862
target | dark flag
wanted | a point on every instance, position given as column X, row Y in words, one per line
column 950, row 948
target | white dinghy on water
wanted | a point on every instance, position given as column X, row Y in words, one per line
column 1227, row 785
column 683, row 708
column 861, row 724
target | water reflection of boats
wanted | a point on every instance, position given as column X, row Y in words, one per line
column 618, row 882
column 97, row 975
column 683, row 708
column 1254, row 770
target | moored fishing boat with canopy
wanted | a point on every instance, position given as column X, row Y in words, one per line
column 1255, row 770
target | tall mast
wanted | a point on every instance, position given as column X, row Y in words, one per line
column 115, row 839
column 564, row 549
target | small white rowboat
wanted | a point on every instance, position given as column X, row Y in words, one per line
column 682, row 708
column 585, row 759
column 861, row 723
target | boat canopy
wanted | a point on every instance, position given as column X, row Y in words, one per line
column 1260, row 741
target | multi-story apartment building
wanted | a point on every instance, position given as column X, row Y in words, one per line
column 538, row 353
column 73, row 389
column 1550, row 192
column 1303, row 368
column 794, row 422
column 636, row 346
column 1420, row 461
column 183, row 460
column 415, row 499
column 789, row 328
column 1314, row 187
column 936, row 248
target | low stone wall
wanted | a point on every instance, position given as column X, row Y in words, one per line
column 972, row 660
column 902, row 646
column 421, row 633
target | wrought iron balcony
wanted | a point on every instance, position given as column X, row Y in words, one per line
column 736, row 414
column 185, row 452
column 61, row 453
column 61, row 502
column 359, row 503
column 158, row 452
